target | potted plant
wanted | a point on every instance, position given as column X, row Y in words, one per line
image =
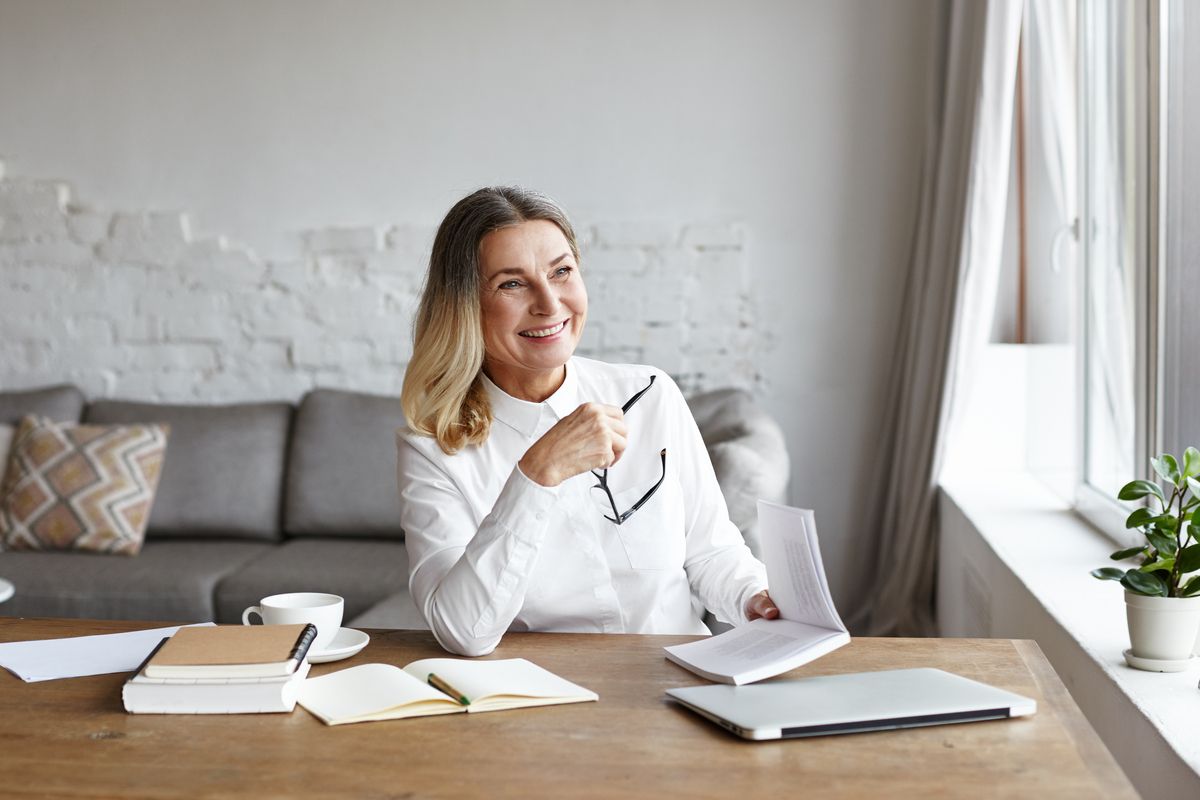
column 1162, row 599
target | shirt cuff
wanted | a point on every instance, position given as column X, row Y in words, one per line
column 524, row 504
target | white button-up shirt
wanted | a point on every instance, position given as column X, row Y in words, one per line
column 491, row 550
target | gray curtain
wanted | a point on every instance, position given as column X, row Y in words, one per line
column 948, row 298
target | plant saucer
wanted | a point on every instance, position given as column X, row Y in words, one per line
column 1159, row 664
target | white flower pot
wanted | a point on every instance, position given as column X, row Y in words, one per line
column 1162, row 628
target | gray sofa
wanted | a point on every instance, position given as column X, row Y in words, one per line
column 261, row 498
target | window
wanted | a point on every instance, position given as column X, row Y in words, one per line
column 1079, row 286
column 1179, row 373
column 1118, row 205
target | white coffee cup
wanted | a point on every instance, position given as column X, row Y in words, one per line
column 322, row 610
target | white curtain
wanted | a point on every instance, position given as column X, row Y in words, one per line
column 1050, row 58
column 949, row 298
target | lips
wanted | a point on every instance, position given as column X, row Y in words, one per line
column 542, row 333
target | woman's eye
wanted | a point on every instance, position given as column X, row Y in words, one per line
column 563, row 271
column 510, row 285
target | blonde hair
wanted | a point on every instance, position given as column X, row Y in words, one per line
column 443, row 395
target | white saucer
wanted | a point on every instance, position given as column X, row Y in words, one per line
column 1159, row 664
column 345, row 643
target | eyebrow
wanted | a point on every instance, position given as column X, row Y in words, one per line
column 519, row 271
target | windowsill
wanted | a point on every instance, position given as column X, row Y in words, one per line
column 1014, row 563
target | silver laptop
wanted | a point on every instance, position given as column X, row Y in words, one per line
column 851, row 703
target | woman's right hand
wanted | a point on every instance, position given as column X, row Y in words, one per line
column 590, row 437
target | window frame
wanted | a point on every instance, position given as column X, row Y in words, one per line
column 1151, row 47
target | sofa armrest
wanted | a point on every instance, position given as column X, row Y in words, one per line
column 748, row 452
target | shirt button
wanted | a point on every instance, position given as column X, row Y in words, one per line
column 540, row 515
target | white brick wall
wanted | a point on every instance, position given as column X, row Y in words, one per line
column 130, row 304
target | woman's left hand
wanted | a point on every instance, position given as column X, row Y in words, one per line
column 761, row 605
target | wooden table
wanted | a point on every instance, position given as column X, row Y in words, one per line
column 71, row 738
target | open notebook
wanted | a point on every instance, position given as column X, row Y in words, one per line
column 431, row 686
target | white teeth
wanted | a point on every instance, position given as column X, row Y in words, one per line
column 545, row 332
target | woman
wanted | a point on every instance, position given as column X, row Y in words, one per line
column 530, row 501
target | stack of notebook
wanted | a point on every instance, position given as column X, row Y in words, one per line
column 226, row 669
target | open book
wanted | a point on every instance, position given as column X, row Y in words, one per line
column 435, row 686
column 808, row 625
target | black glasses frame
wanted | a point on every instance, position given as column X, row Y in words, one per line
column 619, row 517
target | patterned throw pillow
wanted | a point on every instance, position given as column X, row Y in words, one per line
column 80, row 487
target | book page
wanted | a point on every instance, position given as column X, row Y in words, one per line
column 795, row 574
column 752, row 644
column 513, row 677
column 372, row 691
column 808, row 626
column 757, row 650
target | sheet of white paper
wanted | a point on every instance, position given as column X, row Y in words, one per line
column 794, row 569
column 77, row 656
column 365, row 689
column 509, row 676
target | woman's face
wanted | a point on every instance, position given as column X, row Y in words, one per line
column 534, row 306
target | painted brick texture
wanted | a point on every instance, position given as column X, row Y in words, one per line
column 132, row 305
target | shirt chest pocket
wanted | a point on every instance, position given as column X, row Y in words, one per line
column 652, row 536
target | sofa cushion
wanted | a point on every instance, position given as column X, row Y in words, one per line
column 364, row 571
column 170, row 581
column 398, row 611
column 748, row 453
column 80, row 487
column 223, row 475
column 342, row 467
column 63, row 403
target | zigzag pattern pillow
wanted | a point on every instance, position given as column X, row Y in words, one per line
column 80, row 487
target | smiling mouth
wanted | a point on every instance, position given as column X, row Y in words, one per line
column 541, row 333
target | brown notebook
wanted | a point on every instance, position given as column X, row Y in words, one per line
column 232, row 651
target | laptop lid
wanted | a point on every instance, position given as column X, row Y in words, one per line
column 851, row 703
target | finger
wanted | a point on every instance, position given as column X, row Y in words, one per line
column 618, row 443
column 598, row 410
column 617, row 425
column 761, row 605
column 614, row 412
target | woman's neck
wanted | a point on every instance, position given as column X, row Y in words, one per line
column 533, row 386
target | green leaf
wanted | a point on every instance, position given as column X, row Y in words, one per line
column 1194, row 485
column 1135, row 490
column 1144, row 583
column 1191, row 587
column 1108, row 573
column 1167, row 468
column 1165, row 521
column 1191, row 462
column 1164, row 543
column 1164, row 564
column 1189, row 559
column 1139, row 517
column 1121, row 555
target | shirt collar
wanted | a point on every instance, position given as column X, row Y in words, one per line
column 522, row 415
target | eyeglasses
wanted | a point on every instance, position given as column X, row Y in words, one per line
column 602, row 476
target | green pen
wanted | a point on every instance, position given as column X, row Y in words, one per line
column 442, row 686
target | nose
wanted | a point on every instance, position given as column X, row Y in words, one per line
column 545, row 300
